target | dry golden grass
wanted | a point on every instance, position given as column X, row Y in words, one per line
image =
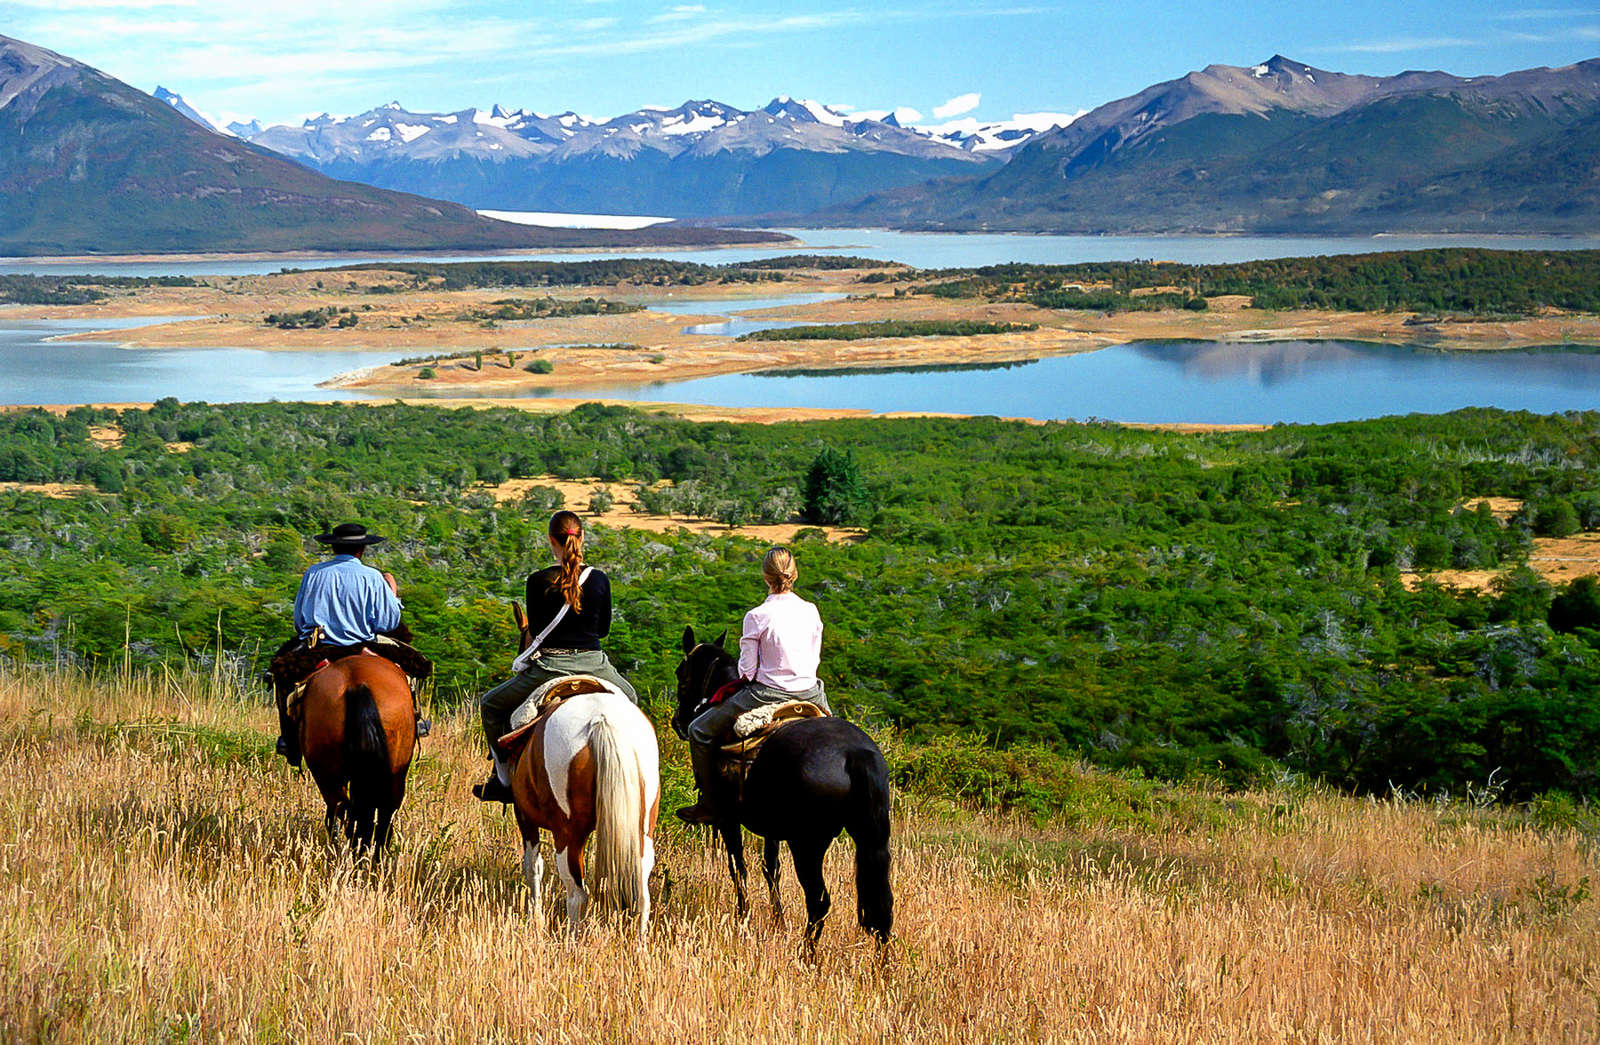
column 163, row 876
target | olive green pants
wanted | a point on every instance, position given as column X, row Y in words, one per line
column 499, row 703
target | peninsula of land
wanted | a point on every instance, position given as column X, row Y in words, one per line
column 520, row 327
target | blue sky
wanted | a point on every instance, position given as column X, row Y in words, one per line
column 282, row 60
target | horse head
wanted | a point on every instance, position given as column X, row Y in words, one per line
column 705, row 667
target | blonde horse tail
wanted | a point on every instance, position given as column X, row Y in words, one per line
column 617, row 880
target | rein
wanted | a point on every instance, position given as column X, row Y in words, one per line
column 708, row 688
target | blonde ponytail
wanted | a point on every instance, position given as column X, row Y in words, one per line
column 779, row 570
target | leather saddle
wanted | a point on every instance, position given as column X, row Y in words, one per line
column 752, row 730
column 546, row 699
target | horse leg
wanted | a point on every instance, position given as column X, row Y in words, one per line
column 569, row 862
column 770, row 870
column 533, row 874
column 361, row 827
column 808, row 856
column 333, row 796
column 386, row 810
column 380, row 834
column 647, row 862
column 734, row 841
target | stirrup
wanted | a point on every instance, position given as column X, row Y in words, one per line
column 293, row 757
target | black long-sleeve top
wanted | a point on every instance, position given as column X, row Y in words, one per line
column 578, row 630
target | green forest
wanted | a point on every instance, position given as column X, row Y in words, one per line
column 1224, row 604
column 1468, row 280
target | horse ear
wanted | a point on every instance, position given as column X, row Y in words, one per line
column 688, row 638
column 517, row 616
column 721, row 639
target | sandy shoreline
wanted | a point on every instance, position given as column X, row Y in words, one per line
column 687, row 411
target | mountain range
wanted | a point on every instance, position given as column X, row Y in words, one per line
column 89, row 164
column 702, row 159
column 1283, row 148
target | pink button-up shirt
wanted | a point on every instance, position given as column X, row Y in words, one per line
column 782, row 643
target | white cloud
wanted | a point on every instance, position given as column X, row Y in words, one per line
column 956, row 106
column 905, row 115
column 678, row 13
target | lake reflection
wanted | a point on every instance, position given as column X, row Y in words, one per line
column 1184, row 381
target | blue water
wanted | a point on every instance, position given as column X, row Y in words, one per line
column 38, row 370
column 1304, row 382
column 920, row 249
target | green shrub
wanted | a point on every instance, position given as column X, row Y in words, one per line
column 835, row 493
column 540, row 366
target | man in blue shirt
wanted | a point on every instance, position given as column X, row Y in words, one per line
column 343, row 605
column 350, row 601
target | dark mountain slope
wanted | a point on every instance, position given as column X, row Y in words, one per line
column 1293, row 150
column 89, row 164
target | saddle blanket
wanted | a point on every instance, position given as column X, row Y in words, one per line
column 773, row 715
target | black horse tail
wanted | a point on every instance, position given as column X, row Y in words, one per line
column 868, row 824
column 366, row 751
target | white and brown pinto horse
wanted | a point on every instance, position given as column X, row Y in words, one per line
column 587, row 765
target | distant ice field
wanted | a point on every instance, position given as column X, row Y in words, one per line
column 557, row 220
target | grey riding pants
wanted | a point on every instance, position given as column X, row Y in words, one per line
column 715, row 723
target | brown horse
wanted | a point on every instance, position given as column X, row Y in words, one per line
column 357, row 732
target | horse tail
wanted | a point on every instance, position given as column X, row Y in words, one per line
column 868, row 824
column 617, row 882
column 366, row 747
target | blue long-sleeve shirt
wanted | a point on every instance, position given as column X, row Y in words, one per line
column 349, row 599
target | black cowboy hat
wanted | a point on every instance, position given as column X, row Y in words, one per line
column 350, row 533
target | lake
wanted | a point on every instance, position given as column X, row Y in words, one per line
column 1168, row 381
column 1304, row 382
column 41, row 371
column 920, row 249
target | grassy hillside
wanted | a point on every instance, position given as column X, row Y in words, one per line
column 164, row 877
column 1226, row 605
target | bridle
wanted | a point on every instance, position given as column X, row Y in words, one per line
column 703, row 685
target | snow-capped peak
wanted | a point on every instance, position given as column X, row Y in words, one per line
column 172, row 98
column 803, row 110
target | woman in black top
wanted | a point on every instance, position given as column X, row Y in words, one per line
column 571, row 646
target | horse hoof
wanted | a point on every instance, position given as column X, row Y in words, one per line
column 424, row 727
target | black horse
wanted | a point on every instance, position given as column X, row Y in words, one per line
column 811, row 779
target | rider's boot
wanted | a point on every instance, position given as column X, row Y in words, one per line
column 288, row 749
column 498, row 787
column 704, row 762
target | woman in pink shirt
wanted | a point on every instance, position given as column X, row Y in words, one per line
column 779, row 651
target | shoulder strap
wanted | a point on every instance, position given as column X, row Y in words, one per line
column 526, row 656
